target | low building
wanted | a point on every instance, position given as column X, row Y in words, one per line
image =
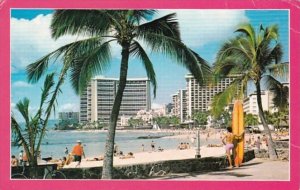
column 180, row 105
column 250, row 103
column 64, row 116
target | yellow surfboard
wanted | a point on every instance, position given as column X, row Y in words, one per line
column 238, row 130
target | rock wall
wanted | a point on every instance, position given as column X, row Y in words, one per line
column 282, row 149
column 162, row 168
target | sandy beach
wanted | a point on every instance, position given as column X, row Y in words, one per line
column 173, row 154
column 146, row 157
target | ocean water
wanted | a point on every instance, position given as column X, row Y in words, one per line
column 55, row 142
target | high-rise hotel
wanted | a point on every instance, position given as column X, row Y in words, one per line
column 198, row 98
column 97, row 100
column 180, row 104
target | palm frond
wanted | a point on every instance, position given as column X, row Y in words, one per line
column 281, row 92
column 175, row 49
column 136, row 16
column 227, row 66
column 23, row 107
column 275, row 55
column 166, row 25
column 16, row 130
column 271, row 32
column 48, row 84
column 222, row 99
column 280, row 70
column 137, row 50
column 37, row 69
column 237, row 51
column 91, row 62
column 248, row 30
column 80, row 22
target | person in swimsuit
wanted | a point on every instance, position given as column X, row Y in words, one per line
column 228, row 142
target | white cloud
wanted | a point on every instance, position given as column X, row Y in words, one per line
column 21, row 84
column 199, row 27
column 69, row 107
column 31, row 39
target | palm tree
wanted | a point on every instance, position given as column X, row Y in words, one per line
column 277, row 118
column 250, row 119
column 200, row 117
column 248, row 57
column 31, row 135
column 85, row 58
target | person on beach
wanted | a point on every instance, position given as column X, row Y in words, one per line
column 265, row 140
column 188, row 146
column 69, row 159
column 252, row 141
column 78, row 152
column 63, row 162
column 153, row 146
column 207, row 136
column 66, row 151
column 116, row 150
column 14, row 161
column 228, row 142
column 143, row 147
column 96, row 158
column 24, row 159
column 258, row 143
column 129, row 155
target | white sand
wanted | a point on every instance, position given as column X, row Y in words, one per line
column 147, row 157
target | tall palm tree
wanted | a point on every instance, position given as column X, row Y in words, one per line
column 85, row 58
column 248, row 57
column 31, row 135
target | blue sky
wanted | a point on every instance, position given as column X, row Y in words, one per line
column 202, row 30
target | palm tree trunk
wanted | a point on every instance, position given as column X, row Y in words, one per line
column 107, row 171
column 271, row 145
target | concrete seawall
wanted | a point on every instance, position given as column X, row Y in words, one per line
column 161, row 168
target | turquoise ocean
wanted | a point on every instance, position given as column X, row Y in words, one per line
column 55, row 142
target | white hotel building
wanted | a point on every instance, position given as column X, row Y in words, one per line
column 97, row 100
column 199, row 97
column 250, row 103
column 180, row 105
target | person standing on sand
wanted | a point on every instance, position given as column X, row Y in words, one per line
column 78, row 152
column 66, row 151
column 14, row 161
column 228, row 142
column 153, row 146
column 265, row 141
column 258, row 143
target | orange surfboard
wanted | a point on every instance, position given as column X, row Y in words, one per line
column 238, row 130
